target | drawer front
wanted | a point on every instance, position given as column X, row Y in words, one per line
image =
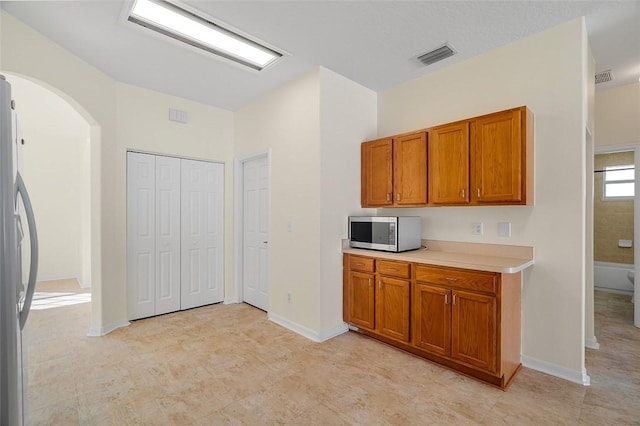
column 394, row 269
column 363, row 264
column 478, row 281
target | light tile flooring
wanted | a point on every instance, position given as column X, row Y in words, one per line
column 227, row 364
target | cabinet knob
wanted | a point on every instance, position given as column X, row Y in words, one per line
column 446, row 299
column 450, row 279
column 370, row 282
column 398, row 196
column 388, row 196
column 462, row 193
column 478, row 192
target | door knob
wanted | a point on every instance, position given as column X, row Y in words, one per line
column 265, row 242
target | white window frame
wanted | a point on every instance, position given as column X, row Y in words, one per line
column 617, row 181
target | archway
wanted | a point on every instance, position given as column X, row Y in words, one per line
column 61, row 168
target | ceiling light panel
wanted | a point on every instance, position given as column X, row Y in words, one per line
column 188, row 27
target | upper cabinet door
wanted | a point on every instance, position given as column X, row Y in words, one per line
column 498, row 157
column 410, row 169
column 377, row 173
column 449, row 164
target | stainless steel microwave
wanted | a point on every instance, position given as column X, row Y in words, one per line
column 389, row 233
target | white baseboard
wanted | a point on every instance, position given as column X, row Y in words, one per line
column 307, row 332
column 101, row 331
column 556, row 370
column 230, row 301
column 592, row 343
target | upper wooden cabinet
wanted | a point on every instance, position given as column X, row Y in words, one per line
column 377, row 173
column 486, row 160
column 410, row 169
column 394, row 171
column 501, row 157
column 449, row 164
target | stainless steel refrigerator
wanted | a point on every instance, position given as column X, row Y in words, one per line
column 15, row 296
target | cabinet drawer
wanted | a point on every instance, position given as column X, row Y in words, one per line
column 363, row 264
column 394, row 269
column 479, row 281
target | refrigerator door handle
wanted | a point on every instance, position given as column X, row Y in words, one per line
column 33, row 237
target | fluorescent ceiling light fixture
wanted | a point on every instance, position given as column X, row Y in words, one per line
column 181, row 24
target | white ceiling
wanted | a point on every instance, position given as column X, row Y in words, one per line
column 374, row 43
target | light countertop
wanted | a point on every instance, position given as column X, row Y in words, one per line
column 481, row 257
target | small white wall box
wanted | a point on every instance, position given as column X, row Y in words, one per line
column 625, row 243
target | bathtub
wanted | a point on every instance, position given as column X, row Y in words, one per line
column 612, row 277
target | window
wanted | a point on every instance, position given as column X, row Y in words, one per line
column 619, row 182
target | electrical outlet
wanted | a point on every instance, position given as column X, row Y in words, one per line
column 289, row 297
column 476, row 228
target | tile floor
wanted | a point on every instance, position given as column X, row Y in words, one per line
column 227, row 364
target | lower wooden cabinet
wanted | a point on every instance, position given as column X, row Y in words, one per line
column 362, row 292
column 392, row 303
column 432, row 318
column 474, row 329
column 466, row 320
column 378, row 301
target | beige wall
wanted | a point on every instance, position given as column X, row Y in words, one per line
column 618, row 115
column 287, row 121
column 348, row 116
column 55, row 170
column 546, row 72
column 27, row 53
column 313, row 126
column 613, row 219
column 120, row 117
column 143, row 124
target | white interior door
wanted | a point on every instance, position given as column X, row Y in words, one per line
column 255, row 270
column 167, row 235
column 141, row 232
column 202, row 186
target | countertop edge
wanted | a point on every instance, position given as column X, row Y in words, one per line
column 515, row 265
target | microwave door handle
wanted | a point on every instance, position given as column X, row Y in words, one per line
column 33, row 237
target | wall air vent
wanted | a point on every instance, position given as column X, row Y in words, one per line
column 604, row 76
column 436, row 55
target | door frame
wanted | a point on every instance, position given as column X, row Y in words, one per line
column 635, row 147
column 238, row 223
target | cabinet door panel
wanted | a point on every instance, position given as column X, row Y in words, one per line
column 474, row 330
column 497, row 157
column 432, row 318
column 410, row 169
column 449, row 164
column 393, row 308
column 362, row 300
column 377, row 173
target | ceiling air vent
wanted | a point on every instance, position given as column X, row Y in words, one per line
column 436, row 55
column 604, row 76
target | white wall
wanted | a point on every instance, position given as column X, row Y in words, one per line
column 27, row 53
column 120, row 117
column 314, row 126
column 617, row 115
column 143, row 124
column 546, row 73
column 348, row 116
column 55, row 168
column 288, row 122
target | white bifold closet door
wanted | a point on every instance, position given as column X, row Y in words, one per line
column 160, row 208
column 202, row 238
